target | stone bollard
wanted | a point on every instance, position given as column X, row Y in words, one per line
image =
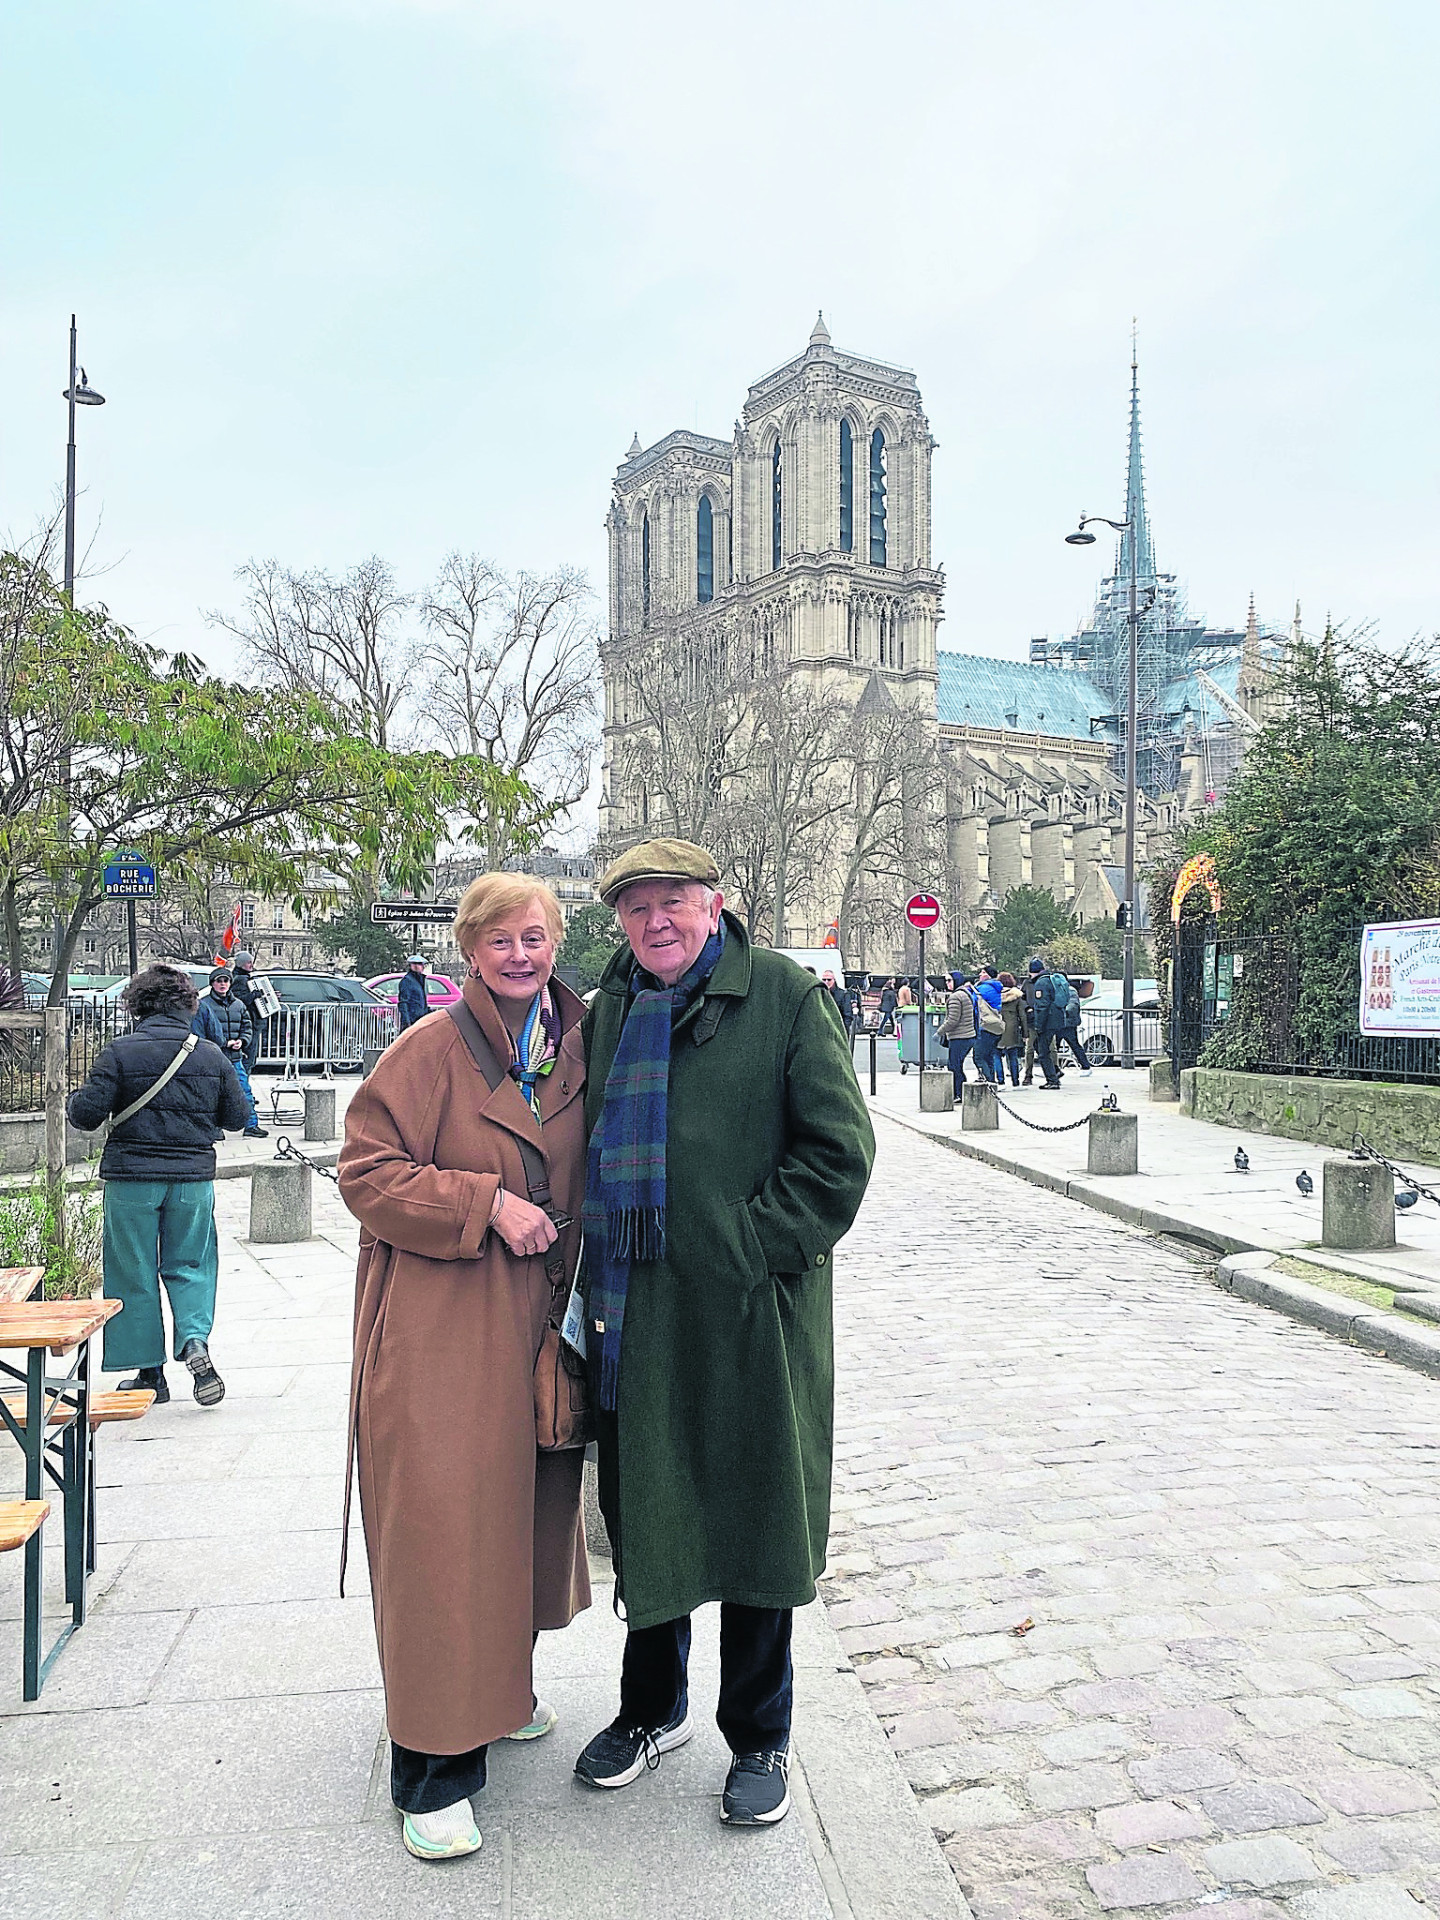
column 1162, row 1081
column 279, row 1202
column 319, row 1113
column 937, row 1090
column 597, row 1539
column 367, row 1061
column 1358, row 1205
column 979, row 1108
column 1114, row 1143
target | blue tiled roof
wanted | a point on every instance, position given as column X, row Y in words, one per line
column 982, row 693
column 1206, row 708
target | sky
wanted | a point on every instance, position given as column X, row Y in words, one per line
column 402, row 276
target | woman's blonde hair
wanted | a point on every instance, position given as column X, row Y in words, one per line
column 493, row 897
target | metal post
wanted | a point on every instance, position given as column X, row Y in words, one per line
column 134, row 938
column 920, row 1044
column 1127, row 1016
column 55, row 1079
column 58, row 935
column 874, row 1041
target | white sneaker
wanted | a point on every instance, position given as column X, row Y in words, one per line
column 444, row 1835
column 1085, row 1073
column 539, row 1724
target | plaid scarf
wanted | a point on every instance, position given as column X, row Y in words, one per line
column 625, row 1180
column 533, row 1051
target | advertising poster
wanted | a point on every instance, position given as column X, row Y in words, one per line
column 1400, row 978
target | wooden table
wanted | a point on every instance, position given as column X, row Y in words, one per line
column 57, row 1420
column 18, row 1283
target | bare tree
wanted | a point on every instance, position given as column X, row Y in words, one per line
column 893, row 824
column 342, row 638
column 510, row 673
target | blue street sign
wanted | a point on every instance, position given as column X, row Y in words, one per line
column 132, row 880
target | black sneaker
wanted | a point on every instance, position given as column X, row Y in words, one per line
column 209, row 1387
column 256, row 1133
column 148, row 1380
column 757, row 1788
column 621, row 1753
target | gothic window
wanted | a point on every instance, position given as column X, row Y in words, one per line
column 877, row 499
column 645, row 565
column 847, row 488
column 777, row 503
column 704, row 550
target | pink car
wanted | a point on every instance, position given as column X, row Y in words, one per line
column 440, row 989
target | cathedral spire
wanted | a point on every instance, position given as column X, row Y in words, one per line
column 635, row 447
column 1135, row 509
column 820, row 333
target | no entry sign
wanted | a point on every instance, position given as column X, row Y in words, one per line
column 922, row 910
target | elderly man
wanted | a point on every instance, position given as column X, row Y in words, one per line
column 729, row 1151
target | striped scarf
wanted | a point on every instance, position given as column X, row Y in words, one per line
column 625, row 1181
column 533, row 1050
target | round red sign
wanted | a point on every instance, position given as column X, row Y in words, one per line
column 922, row 910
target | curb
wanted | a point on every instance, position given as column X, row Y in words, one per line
column 1248, row 1277
column 877, row 1856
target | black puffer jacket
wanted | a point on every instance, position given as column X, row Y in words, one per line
column 174, row 1137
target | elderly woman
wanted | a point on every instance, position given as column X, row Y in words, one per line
column 474, row 1536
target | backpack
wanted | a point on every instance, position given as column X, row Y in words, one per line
column 1067, row 1000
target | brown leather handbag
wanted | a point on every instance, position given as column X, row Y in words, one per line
column 562, row 1402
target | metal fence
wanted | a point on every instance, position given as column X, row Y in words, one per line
column 1264, row 1002
column 90, row 1027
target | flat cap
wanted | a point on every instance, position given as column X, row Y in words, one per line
column 657, row 860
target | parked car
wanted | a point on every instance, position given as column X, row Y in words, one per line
column 440, row 989
column 1102, row 1021
column 304, row 1037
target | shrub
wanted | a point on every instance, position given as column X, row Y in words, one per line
column 28, row 1238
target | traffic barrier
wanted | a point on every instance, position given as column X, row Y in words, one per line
column 319, row 1113
column 280, row 1202
column 1114, row 1142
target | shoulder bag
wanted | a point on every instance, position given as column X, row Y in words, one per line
column 562, row 1409
column 188, row 1046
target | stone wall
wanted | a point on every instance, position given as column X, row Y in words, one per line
column 22, row 1143
column 1403, row 1122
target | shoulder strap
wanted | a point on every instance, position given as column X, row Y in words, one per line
column 537, row 1178
column 192, row 1040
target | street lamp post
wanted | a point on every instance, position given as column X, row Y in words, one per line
column 79, row 393
column 1081, row 538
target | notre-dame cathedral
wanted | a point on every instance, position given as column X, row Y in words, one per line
column 798, row 552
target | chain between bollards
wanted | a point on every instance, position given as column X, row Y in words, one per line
column 1362, row 1150
column 285, row 1149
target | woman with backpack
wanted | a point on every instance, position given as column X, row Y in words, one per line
column 989, row 1026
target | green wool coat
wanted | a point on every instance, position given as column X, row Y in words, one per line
column 715, row 1466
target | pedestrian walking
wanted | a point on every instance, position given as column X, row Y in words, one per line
column 844, row 1006
column 473, row 1534
column 1014, row 1028
column 1048, row 1022
column 169, row 1096
column 243, row 989
column 889, row 1001
column 222, row 1017
column 959, row 1026
column 410, row 995
column 989, row 1026
column 1069, row 1003
column 729, row 1151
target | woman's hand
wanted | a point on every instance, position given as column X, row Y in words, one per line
column 523, row 1228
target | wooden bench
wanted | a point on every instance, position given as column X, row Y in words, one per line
column 19, row 1519
column 105, row 1408
column 18, row 1283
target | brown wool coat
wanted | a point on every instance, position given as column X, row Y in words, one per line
column 474, row 1538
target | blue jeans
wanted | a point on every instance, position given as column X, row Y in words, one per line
column 1012, row 1056
column 986, row 1064
column 756, row 1681
column 158, row 1230
column 242, row 1074
column 958, row 1051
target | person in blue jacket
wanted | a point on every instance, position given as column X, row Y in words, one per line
column 413, row 1004
column 1049, row 1022
column 224, row 1018
column 987, row 1043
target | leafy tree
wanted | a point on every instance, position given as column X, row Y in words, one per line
column 1109, row 944
column 1027, row 921
column 590, row 942
column 1071, row 953
column 372, row 949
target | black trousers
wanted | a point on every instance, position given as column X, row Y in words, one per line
column 756, row 1679
column 426, row 1782
column 1045, row 1055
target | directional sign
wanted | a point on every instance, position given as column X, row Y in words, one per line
column 414, row 913
column 922, row 910
column 130, row 880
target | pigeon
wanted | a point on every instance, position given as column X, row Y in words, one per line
column 1242, row 1160
column 1305, row 1183
column 1406, row 1198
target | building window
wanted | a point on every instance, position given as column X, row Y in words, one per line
column 645, row 566
column 704, row 550
column 91, row 945
column 277, row 950
column 847, row 488
column 278, row 921
column 877, row 498
column 247, row 916
column 777, row 502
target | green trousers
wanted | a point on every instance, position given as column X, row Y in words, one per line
column 158, row 1230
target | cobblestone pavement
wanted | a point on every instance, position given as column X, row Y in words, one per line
column 1143, row 1581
